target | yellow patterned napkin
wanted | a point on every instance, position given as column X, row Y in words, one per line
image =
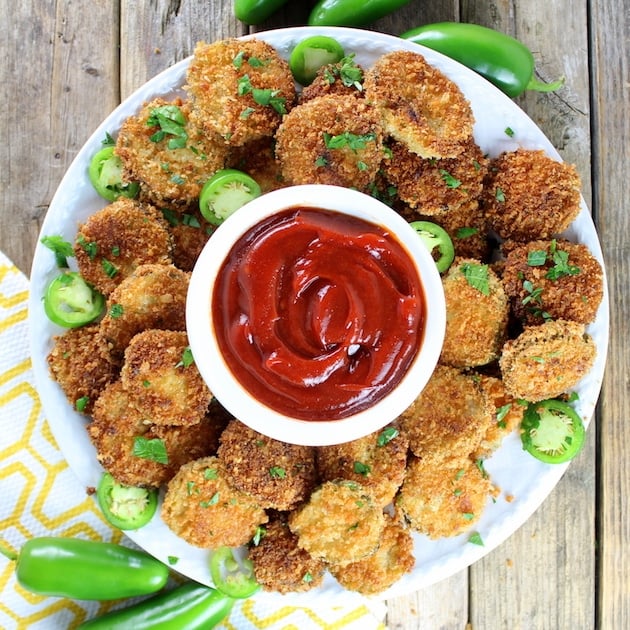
column 39, row 495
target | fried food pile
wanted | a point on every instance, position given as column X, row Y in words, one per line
column 518, row 300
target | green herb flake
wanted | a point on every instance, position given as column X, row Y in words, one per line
column 187, row 358
column 476, row 539
column 172, row 560
column 152, row 449
column 89, row 247
column 259, row 534
column 61, row 248
column 449, row 180
column 353, row 141
column 361, row 469
column 247, row 112
column 270, row 98
column 171, row 123
column 178, row 179
column 108, row 140
column 477, row 276
column 386, row 436
column 537, row 258
column 277, row 472
column 109, row 268
column 210, row 473
column 466, row 232
column 321, row 162
column 468, row 516
column 509, row 132
column 499, row 195
column 308, row 578
column 503, row 411
column 81, row 403
column 561, row 266
column 237, row 62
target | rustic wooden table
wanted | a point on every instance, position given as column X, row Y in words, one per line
column 67, row 64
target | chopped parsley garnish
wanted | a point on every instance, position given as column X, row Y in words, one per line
column 214, row 499
column 347, row 71
column 386, row 436
column 347, row 139
column 361, row 469
column 476, row 539
column 89, row 247
column 561, row 264
column 449, row 180
column 477, row 276
column 321, row 161
column 116, row 311
column 151, row 449
column 499, row 195
column 258, row 535
column 81, row 403
column 509, row 132
column 61, row 248
column 502, row 412
column 210, row 473
column 108, row 140
column 187, row 358
column 109, row 268
column 172, row 560
column 466, row 232
column 262, row 96
column 537, row 258
column 171, row 122
column 277, row 472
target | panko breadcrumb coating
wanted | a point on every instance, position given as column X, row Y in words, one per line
column 203, row 509
column 279, row 563
column 376, row 461
column 443, row 500
column 189, row 233
column 476, row 320
column 507, row 416
column 331, row 140
column 547, row 360
column 162, row 382
column 153, row 296
column 171, row 169
column 118, row 238
column 117, row 427
column 239, row 89
column 436, row 187
column 420, row 106
column 258, row 160
column 553, row 279
column 447, row 422
column 528, row 195
column 340, row 523
column 467, row 228
column 277, row 474
column 376, row 573
column 344, row 77
column 80, row 362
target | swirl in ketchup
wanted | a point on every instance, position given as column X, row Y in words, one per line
column 318, row 314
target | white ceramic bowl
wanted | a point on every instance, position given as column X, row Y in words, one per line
column 226, row 386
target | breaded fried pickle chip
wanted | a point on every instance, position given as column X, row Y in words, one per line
column 114, row 241
column 239, row 89
column 162, row 379
column 203, row 509
column 279, row 475
column 340, row 523
column 547, row 360
column 333, row 140
column 529, row 195
column 419, row 105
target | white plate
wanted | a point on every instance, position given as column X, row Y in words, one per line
column 517, row 474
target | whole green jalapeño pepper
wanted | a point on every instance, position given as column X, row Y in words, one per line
column 501, row 59
column 352, row 12
column 188, row 607
column 256, row 11
column 85, row 569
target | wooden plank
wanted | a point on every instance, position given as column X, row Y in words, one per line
column 611, row 164
column 542, row 577
column 53, row 67
column 157, row 34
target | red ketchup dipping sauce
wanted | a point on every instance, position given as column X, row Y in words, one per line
column 318, row 314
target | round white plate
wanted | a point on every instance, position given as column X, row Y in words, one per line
column 519, row 476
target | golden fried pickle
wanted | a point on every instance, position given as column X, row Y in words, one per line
column 507, row 416
column 447, row 422
column 258, row 160
column 553, row 279
column 344, row 77
column 281, row 565
column 162, row 379
column 153, row 296
column 137, row 453
column 435, row 187
column 118, row 238
column 189, row 233
column 167, row 154
column 340, row 523
column 528, row 195
column 376, row 461
column 331, row 140
column 202, row 508
column 476, row 314
column 419, row 105
column 443, row 500
column 376, row 573
column 80, row 362
column 239, row 89
column 277, row 474
column 547, row 360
